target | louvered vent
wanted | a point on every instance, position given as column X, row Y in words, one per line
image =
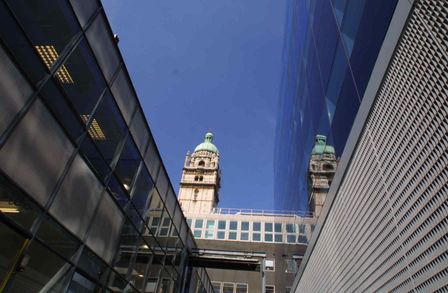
column 387, row 230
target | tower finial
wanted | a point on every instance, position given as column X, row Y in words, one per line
column 208, row 137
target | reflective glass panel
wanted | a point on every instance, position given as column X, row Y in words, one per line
column 16, row 205
column 47, row 271
column 268, row 227
column 100, row 39
column 38, row 170
column 221, row 225
column 14, row 90
column 124, row 95
column 9, row 246
column 198, row 223
column 232, row 235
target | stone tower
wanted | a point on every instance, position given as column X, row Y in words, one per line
column 322, row 167
column 200, row 182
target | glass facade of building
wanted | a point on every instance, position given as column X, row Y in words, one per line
column 81, row 180
column 330, row 49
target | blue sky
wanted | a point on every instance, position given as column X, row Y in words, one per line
column 202, row 65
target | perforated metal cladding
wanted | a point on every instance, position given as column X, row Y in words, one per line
column 387, row 230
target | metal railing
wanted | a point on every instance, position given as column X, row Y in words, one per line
column 261, row 212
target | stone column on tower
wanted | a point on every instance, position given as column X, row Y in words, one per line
column 200, row 181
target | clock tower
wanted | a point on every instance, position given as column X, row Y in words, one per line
column 201, row 176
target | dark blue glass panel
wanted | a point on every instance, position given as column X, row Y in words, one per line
column 347, row 107
column 128, row 163
column 338, row 73
column 339, row 9
column 142, row 191
column 119, row 193
column 371, row 33
column 87, row 83
column 350, row 23
column 326, row 40
column 64, row 112
column 109, row 120
column 19, row 46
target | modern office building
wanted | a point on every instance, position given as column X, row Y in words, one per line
column 80, row 174
column 330, row 49
column 236, row 238
column 384, row 225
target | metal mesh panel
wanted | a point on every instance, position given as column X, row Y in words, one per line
column 387, row 230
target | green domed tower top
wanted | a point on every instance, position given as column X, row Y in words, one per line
column 207, row 145
column 321, row 147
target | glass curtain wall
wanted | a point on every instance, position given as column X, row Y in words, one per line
column 80, row 175
column 329, row 52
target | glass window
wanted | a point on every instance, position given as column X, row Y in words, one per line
column 291, row 238
column 14, row 90
column 290, row 228
column 152, row 160
column 197, row 233
column 82, row 81
column 216, row 287
column 56, row 237
column 291, row 266
column 128, row 164
column 256, row 226
column 302, row 228
column 268, row 237
column 14, row 39
column 245, row 226
column 84, row 10
column 222, row 225
column 53, row 276
column 51, row 24
column 268, row 227
column 110, row 128
column 244, row 236
column 232, row 235
column 210, row 224
column 241, row 288
column 199, row 223
column 77, row 198
column 38, row 170
column 104, row 233
column 141, row 195
column 233, row 225
column 278, row 238
column 117, row 191
column 270, row 289
column 256, row 237
column 139, row 131
column 81, row 284
column 209, row 234
column 16, row 205
column 303, row 239
column 221, row 235
column 228, row 287
column 124, row 95
column 103, row 46
column 92, row 264
column 269, row 264
column 278, row 227
column 10, row 244
column 189, row 222
column 162, row 183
